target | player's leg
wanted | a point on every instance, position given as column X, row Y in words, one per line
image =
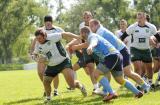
column 68, row 75
column 40, row 69
column 147, row 60
column 55, row 84
column 47, row 86
column 134, row 76
column 136, row 60
column 89, row 70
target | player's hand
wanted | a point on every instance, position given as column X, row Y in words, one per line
column 153, row 41
column 34, row 57
column 42, row 58
column 89, row 50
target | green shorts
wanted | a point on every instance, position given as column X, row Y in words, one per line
column 141, row 55
column 53, row 71
column 155, row 54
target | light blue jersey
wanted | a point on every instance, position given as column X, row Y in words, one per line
column 109, row 36
column 103, row 47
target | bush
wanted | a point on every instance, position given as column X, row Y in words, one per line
column 5, row 67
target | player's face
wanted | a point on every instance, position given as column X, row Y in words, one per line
column 93, row 27
column 141, row 18
column 83, row 35
column 48, row 25
column 123, row 25
column 41, row 39
column 87, row 18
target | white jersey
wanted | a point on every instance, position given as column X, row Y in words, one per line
column 55, row 29
column 140, row 35
column 81, row 25
column 127, row 40
column 52, row 49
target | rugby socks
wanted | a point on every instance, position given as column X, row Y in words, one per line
column 106, row 85
column 131, row 87
column 95, row 86
column 145, row 85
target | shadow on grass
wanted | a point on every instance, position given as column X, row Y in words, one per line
column 23, row 101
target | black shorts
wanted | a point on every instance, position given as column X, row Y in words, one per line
column 84, row 58
column 126, row 57
column 53, row 71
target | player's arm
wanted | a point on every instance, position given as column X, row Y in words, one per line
column 32, row 46
column 92, row 43
column 157, row 36
column 70, row 35
column 79, row 46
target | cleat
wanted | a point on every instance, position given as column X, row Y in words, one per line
column 147, row 89
column 98, row 91
column 70, row 89
column 55, row 93
column 47, row 100
column 110, row 97
column 152, row 87
column 139, row 95
column 139, row 88
column 83, row 90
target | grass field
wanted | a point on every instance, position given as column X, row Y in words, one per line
column 24, row 88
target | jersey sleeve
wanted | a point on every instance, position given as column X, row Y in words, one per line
column 153, row 30
column 130, row 30
column 55, row 37
column 92, row 39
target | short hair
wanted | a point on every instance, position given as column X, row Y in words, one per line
column 48, row 18
column 87, row 13
column 123, row 20
column 148, row 17
column 95, row 21
column 40, row 31
column 85, row 29
column 142, row 13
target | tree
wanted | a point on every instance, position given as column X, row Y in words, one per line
column 15, row 17
column 151, row 7
column 109, row 12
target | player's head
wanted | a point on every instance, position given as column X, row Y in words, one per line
column 94, row 25
column 87, row 16
column 48, row 21
column 123, row 24
column 85, row 31
column 40, row 35
column 141, row 17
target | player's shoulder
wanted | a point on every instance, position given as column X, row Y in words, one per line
column 58, row 28
column 133, row 25
column 81, row 25
column 150, row 25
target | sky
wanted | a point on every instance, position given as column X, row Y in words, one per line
column 54, row 5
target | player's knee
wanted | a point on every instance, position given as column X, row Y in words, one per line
column 47, row 80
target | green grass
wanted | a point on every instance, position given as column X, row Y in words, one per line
column 24, row 88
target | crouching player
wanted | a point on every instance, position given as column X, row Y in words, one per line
column 57, row 60
column 110, row 60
